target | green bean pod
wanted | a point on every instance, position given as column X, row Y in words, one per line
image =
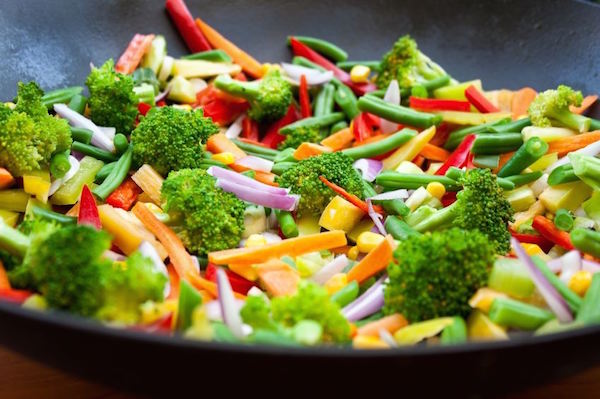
column 281, row 167
column 81, row 134
column 324, row 102
column 324, row 47
column 496, row 143
column 397, row 113
column 315, row 121
column 486, row 161
column 305, row 62
column 562, row 174
column 287, row 224
column 116, row 176
column 398, row 228
column 382, row 146
column 59, row 165
column 52, row 216
column 121, row 143
column 345, row 99
column 348, row 65
column 532, row 150
column 78, row 103
column 526, row 178
column 589, row 313
column 60, row 96
column 210, row 55
column 336, row 127
column 515, row 126
column 394, row 180
column 512, row 313
column 455, row 333
column 347, row 294
column 104, row 172
column 94, row 152
column 457, row 136
column 563, row 220
column 586, row 241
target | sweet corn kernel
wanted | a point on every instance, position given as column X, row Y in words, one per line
column 436, row 189
column 353, row 253
column 360, row 73
column 368, row 342
column 336, row 283
column 368, row 240
column 226, row 157
column 532, row 249
column 266, row 67
column 580, row 282
column 255, row 240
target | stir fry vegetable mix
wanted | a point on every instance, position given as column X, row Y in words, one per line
column 324, row 201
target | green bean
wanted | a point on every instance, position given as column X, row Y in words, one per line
column 256, row 149
column 496, row 143
column 59, row 165
column 455, row 333
column 562, row 174
column 281, row 167
column 287, row 224
column 589, row 313
column 78, row 103
column 515, row 126
column 94, row 152
column 286, row 155
column 336, row 127
column 60, row 95
column 348, row 65
column 207, row 163
column 305, row 62
column 532, row 150
column 250, row 173
column 505, row 184
column 105, row 171
column 396, row 180
column 419, row 91
column 394, row 207
column 563, row 220
column 586, row 241
column 116, row 177
column 324, row 102
column 382, row 146
column 52, row 216
column 324, row 47
column 210, row 55
column 347, row 294
column 268, row 337
column 486, row 161
column 572, row 299
column 454, row 173
column 397, row 113
column 81, row 134
column 512, row 313
column 430, row 85
column 315, row 121
column 524, row 178
column 398, row 228
column 345, row 99
column 457, row 136
column 121, row 143
column 594, row 124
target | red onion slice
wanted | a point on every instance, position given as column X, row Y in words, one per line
column 286, row 202
column 330, row 269
column 148, row 250
column 376, row 218
column 256, row 163
column 368, row 303
column 163, row 94
column 99, row 139
column 555, row 301
column 229, row 310
column 238, row 178
column 369, row 168
column 392, row 96
column 234, row 130
column 390, row 195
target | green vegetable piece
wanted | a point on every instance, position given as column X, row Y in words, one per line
column 155, row 56
column 95, row 152
column 455, row 333
column 532, row 150
column 286, row 155
column 51, row 216
column 60, row 96
column 324, row 47
column 573, row 300
column 336, row 127
column 210, row 55
column 510, row 276
column 417, row 332
column 346, row 294
column 587, row 168
column 589, row 313
column 486, row 161
column 457, row 136
column 346, row 99
column 70, row 192
column 189, row 299
column 496, row 143
column 287, row 224
column 398, row 228
column 121, row 143
column 59, row 165
column 586, row 241
column 116, row 176
column 324, row 102
column 552, row 106
column 564, row 220
column 78, row 103
column 562, row 174
column 307, row 332
column 395, row 180
column 316, row 122
column 82, row 135
column 516, row 314
column 397, row 113
column 525, row 178
column 382, row 146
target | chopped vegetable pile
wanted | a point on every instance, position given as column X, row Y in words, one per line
column 367, row 204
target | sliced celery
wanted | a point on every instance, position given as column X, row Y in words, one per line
column 70, row 192
column 13, row 200
column 511, row 277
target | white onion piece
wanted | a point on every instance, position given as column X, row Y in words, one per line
column 255, row 291
column 213, row 309
column 571, row 264
column 540, row 185
column 555, row 265
column 234, row 130
column 238, row 178
column 287, row 202
column 270, row 237
column 56, row 184
column 369, row 168
column 391, row 195
column 108, row 131
column 330, row 269
column 313, row 76
column 199, row 84
column 590, row 266
column 376, row 218
column 591, row 150
column 386, row 337
column 148, row 250
column 99, row 138
column 392, row 96
column 555, row 301
column 112, row 255
column 229, row 310
column 256, row 163
column 196, row 263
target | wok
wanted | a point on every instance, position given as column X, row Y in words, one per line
column 505, row 43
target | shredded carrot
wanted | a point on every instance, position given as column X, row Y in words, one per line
column 587, row 102
column 259, row 175
column 131, row 57
column 418, row 160
column 6, row 179
column 4, row 282
column 434, row 153
column 375, row 261
column 173, row 282
column 391, row 324
column 353, row 199
column 202, row 284
column 291, row 246
column 307, row 150
column 181, row 259
column 277, row 277
column 339, row 140
column 565, row 145
column 521, row 101
column 218, row 143
column 240, row 57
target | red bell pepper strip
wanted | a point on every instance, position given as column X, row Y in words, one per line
column 361, row 127
column 303, row 50
column 161, row 103
column 238, row 283
column 304, row 98
column 143, row 108
column 223, row 112
column 539, row 240
column 132, row 56
column 441, row 135
column 469, row 164
column 160, row 326
column 273, row 138
column 549, row 231
column 125, row 195
column 373, row 120
column 449, row 198
column 479, row 101
column 192, row 35
column 13, row 295
column 459, row 157
column 88, row 211
column 432, row 104
column 250, row 129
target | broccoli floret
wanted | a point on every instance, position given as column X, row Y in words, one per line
column 303, row 179
column 310, row 134
column 209, row 219
column 311, row 302
column 112, row 100
column 552, row 106
column 28, row 135
column 406, row 64
column 171, row 139
column 269, row 97
column 127, row 286
column 436, row 274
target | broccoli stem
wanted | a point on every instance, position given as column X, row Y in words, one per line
column 573, row 121
column 441, row 218
column 13, row 240
column 247, row 90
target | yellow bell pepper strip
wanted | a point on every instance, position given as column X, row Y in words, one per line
column 481, row 328
column 37, row 183
column 483, row 299
column 456, row 92
column 375, row 261
column 203, row 69
column 470, row 118
column 340, row 215
column 409, row 150
column 149, row 181
column 417, row 332
column 362, row 205
column 14, row 200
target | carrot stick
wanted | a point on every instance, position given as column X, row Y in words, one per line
column 307, row 150
column 291, row 246
column 391, row 324
column 182, row 261
column 173, row 282
column 572, row 143
column 131, row 57
column 418, row 160
column 247, row 62
column 434, row 153
column 259, row 175
column 503, row 160
column 218, row 143
column 521, row 101
column 339, row 140
column 203, row 284
column 587, row 102
column 375, row 261
column 278, row 278
column 353, row 199
column 6, row 179
column 4, row 282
